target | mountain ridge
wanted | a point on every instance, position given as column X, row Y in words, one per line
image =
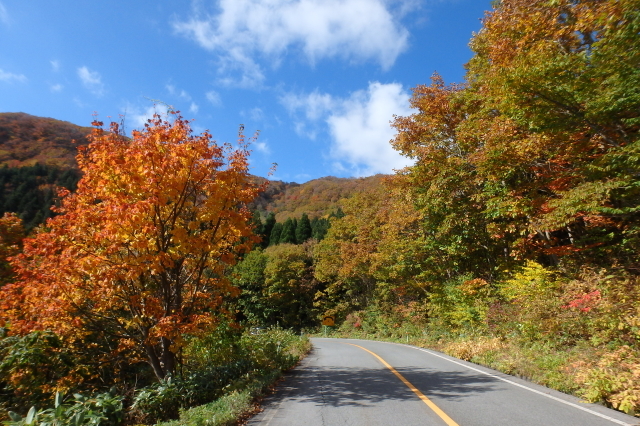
column 27, row 140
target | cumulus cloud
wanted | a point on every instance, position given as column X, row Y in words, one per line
column 56, row 88
column 353, row 30
column 361, row 129
column 314, row 106
column 91, row 80
column 358, row 125
column 9, row 77
column 194, row 108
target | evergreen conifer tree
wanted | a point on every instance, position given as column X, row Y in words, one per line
column 288, row 232
column 276, row 231
column 319, row 228
column 303, row 230
column 267, row 228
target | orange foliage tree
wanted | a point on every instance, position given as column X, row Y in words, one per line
column 137, row 254
column 11, row 235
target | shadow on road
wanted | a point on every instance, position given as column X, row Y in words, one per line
column 336, row 386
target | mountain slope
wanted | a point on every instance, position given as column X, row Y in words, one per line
column 26, row 140
column 318, row 197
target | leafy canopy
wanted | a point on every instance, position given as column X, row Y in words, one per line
column 137, row 254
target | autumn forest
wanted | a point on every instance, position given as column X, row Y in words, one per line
column 154, row 273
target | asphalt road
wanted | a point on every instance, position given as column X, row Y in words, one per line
column 352, row 382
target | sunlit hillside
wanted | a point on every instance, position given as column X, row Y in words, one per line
column 317, row 198
column 26, row 140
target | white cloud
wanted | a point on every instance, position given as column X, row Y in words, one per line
column 238, row 69
column 315, row 105
column 354, row 30
column 91, row 80
column 256, row 114
column 56, row 88
column 361, row 129
column 4, row 16
column 8, row 77
column 261, row 147
column 137, row 117
column 214, row 98
column 359, row 126
column 55, row 65
column 193, row 108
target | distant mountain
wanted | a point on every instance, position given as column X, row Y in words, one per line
column 26, row 140
column 317, row 198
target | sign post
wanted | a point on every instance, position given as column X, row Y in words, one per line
column 328, row 321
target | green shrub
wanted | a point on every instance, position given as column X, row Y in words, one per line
column 29, row 366
column 163, row 400
column 246, row 358
column 103, row 409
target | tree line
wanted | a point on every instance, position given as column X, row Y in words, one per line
column 518, row 224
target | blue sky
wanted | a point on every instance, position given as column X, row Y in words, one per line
column 320, row 79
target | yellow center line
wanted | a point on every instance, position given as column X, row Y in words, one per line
column 424, row 399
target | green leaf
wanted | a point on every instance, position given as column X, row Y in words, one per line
column 15, row 416
column 58, row 399
column 79, row 418
column 31, row 416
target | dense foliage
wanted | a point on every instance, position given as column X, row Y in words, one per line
column 129, row 282
column 28, row 140
column 135, row 258
column 525, row 224
column 512, row 240
column 30, row 191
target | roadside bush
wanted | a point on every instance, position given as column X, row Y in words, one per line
column 164, row 400
column 614, row 379
column 30, row 365
column 103, row 409
column 242, row 359
column 460, row 304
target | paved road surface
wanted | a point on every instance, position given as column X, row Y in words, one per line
column 346, row 382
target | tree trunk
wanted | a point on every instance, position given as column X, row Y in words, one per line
column 168, row 357
column 154, row 362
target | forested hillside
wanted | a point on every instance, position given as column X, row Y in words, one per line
column 39, row 154
column 26, row 140
column 316, row 198
column 512, row 241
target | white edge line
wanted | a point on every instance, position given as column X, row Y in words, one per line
column 595, row 413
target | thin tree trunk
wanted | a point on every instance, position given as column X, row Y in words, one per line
column 154, row 362
column 168, row 357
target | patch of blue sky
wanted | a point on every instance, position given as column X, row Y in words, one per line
column 319, row 79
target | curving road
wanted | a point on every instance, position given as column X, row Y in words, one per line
column 360, row 382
